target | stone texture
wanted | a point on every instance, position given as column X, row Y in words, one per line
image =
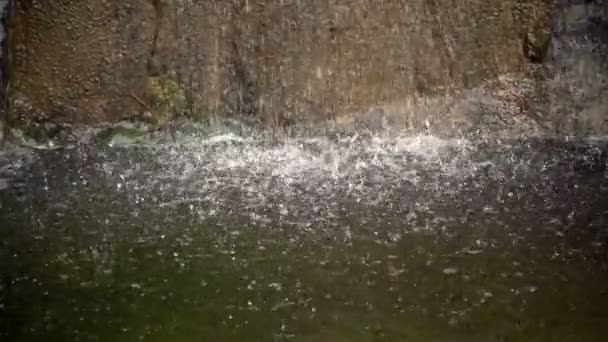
column 5, row 14
column 576, row 86
column 281, row 62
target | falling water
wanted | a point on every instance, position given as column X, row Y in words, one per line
column 352, row 237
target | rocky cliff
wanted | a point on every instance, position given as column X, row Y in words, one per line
column 454, row 64
column 5, row 15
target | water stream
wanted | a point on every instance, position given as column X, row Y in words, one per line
column 343, row 238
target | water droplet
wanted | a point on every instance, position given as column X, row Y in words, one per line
column 450, row 270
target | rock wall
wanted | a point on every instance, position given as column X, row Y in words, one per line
column 5, row 14
column 287, row 61
column 577, row 83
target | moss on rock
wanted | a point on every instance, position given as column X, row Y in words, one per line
column 121, row 135
column 168, row 99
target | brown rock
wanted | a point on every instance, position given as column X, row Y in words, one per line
column 282, row 61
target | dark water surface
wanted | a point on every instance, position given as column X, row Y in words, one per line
column 315, row 240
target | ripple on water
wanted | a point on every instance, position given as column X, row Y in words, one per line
column 341, row 238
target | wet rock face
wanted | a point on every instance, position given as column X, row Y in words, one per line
column 5, row 11
column 288, row 61
column 577, row 86
column 76, row 61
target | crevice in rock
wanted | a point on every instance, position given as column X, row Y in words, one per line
column 243, row 95
column 246, row 103
column 154, row 65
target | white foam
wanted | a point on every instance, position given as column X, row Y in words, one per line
column 304, row 173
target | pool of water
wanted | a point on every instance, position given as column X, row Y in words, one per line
column 318, row 239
